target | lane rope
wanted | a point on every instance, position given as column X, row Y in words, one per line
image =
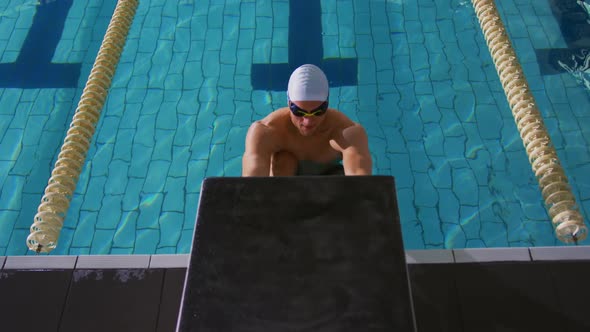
column 48, row 221
column 559, row 200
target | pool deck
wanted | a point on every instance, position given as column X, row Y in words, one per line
column 523, row 289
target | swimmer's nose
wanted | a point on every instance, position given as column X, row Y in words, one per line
column 307, row 120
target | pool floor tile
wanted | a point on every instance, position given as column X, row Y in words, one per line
column 431, row 56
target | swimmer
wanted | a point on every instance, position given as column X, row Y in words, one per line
column 307, row 137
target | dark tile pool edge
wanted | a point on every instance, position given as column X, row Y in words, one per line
column 428, row 256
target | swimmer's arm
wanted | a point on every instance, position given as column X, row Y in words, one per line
column 258, row 152
column 356, row 157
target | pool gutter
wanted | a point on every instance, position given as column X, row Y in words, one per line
column 430, row 256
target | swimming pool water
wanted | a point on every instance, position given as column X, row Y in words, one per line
column 195, row 74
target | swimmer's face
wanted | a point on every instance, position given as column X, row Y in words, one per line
column 307, row 125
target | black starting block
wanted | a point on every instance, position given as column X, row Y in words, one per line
column 297, row 254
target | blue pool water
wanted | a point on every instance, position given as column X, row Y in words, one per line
column 195, row 74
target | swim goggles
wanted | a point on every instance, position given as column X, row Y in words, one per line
column 299, row 112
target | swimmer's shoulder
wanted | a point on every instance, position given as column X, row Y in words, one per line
column 275, row 120
column 270, row 125
column 340, row 120
column 276, row 117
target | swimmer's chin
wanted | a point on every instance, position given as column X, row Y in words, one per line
column 307, row 131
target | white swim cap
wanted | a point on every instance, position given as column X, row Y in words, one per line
column 308, row 83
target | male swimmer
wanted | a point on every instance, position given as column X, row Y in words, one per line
column 307, row 137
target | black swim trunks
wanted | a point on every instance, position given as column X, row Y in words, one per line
column 306, row 167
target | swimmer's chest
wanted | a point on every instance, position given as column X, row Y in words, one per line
column 317, row 149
